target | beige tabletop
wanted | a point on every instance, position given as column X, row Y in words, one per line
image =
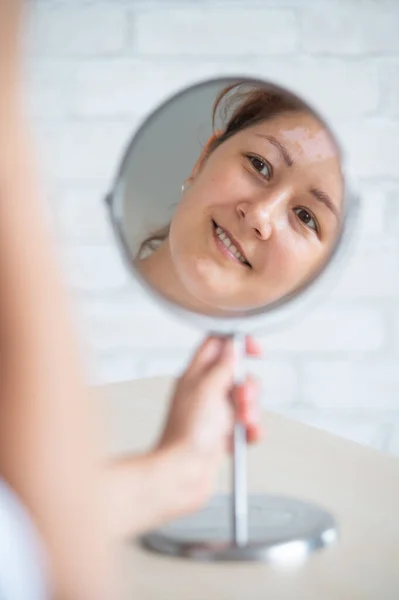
column 359, row 485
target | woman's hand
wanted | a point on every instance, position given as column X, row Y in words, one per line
column 49, row 443
column 177, row 477
column 11, row 26
column 204, row 407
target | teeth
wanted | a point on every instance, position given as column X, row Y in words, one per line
column 229, row 244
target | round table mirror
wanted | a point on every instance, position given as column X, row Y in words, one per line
column 233, row 207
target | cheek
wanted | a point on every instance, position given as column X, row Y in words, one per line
column 220, row 183
column 189, row 231
column 288, row 256
column 181, row 230
column 188, row 216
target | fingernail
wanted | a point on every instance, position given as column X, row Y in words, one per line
column 256, row 343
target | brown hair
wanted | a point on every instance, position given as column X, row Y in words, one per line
column 238, row 106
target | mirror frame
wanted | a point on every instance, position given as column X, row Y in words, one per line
column 277, row 313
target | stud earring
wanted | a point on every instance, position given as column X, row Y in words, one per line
column 185, row 187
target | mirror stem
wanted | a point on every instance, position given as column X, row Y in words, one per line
column 240, row 485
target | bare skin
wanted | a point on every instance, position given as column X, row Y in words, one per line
column 49, row 444
column 50, row 447
column 177, row 477
column 276, row 190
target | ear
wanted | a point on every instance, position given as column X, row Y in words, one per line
column 204, row 155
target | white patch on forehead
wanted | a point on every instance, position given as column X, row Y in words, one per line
column 316, row 145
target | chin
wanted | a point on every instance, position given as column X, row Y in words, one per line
column 212, row 292
column 209, row 284
column 222, row 297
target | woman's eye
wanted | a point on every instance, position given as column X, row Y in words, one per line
column 307, row 218
column 261, row 166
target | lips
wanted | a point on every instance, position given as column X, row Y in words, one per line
column 230, row 243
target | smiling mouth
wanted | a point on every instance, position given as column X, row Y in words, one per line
column 230, row 244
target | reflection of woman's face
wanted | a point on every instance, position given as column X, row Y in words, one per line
column 261, row 214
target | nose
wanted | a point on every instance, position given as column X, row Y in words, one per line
column 263, row 213
column 256, row 216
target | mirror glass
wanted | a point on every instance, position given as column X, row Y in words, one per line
column 230, row 199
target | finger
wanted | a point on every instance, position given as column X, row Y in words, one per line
column 254, row 433
column 219, row 376
column 238, row 397
column 230, row 443
column 253, row 409
column 252, row 416
column 253, row 347
column 204, row 357
column 246, row 400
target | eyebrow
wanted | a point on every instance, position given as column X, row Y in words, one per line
column 326, row 200
column 289, row 161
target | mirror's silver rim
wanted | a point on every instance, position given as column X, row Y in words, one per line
column 278, row 313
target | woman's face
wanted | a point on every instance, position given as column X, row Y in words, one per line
column 261, row 213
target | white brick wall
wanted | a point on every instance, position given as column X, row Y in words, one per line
column 353, row 28
column 182, row 31
column 95, row 67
